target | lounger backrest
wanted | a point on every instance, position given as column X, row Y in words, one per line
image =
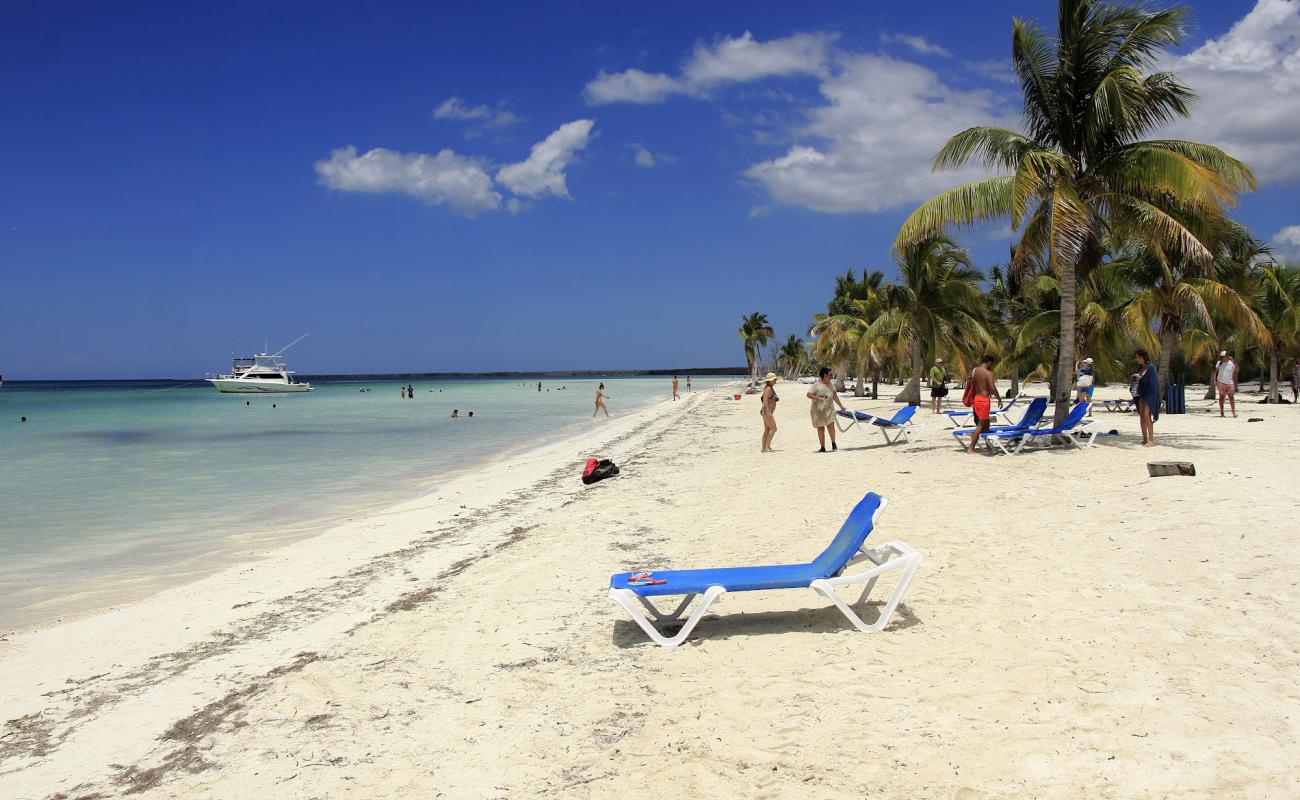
column 1074, row 417
column 852, row 534
column 1033, row 414
column 903, row 415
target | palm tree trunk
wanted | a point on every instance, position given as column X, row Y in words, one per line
column 875, row 385
column 1212, row 392
column 839, row 375
column 1273, row 396
column 860, row 388
column 911, row 393
column 1167, row 337
column 1015, row 380
column 1065, row 352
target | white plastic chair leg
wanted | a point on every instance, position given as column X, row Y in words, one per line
column 908, row 561
column 624, row 598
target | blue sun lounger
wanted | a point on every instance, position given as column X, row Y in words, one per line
column 900, row 424
column 1033, row 415
column 965, row 418
column 1072, row 429
column 824, row 574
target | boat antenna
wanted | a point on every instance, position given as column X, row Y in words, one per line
column 295, row 341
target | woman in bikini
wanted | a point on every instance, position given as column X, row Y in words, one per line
column 768, row 411
column 600, row 400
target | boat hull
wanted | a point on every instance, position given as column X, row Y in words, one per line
column 238, row 386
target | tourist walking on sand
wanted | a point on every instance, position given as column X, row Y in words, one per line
column 824, row 399
column 1225, row 379
column 767, row 410
column 1087, row 382
column 600, row 400
column 985, row 385
column 1148, row 396
column 938, row 385
column 674, row 387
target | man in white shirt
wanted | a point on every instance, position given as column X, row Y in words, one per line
column 1225, row 375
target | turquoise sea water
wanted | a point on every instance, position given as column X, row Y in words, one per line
column 122, row 485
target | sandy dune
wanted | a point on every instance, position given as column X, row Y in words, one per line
column 1077, row 629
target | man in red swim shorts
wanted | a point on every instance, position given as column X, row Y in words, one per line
column 985, row 385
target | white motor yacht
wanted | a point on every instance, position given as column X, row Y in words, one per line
column 264, row 373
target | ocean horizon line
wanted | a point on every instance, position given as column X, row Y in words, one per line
column 380, row 376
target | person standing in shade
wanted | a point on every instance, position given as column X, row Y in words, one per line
column 600, row 400
column 674, row 387
column 1225, row 379
column 688, row 383
column 824, row 399
column 767, row 410
column 981, row 407
column 1295, row 381
column 1148, row 396
column 938, row 385
column 1087, row 382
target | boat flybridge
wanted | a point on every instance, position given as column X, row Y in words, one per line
column 264, row 373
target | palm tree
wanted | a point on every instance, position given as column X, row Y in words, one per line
column 936, row 309
column 1176, row 296
column 1235, row 264
column 1277, row 299
column 755, row 332
column 791, row 356
column 1080, row 169
column 839, row 331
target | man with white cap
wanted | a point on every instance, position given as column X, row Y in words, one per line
column 938, row 385
column 1087, row 383
column 1225, row 376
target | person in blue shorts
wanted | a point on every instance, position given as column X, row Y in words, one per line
column 1087, row 383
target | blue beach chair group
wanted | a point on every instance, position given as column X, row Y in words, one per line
column 825, row 575
column 1009, row 439
column 901, row 425
column 966, row 417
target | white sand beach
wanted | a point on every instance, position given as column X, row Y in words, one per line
column 1077, row 629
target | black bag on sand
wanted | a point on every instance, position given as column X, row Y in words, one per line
column 599, row 470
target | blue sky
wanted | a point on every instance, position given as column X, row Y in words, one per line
column 528, row 186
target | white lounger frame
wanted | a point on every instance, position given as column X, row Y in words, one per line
column 911, row 430
column 1080, row 436
column 887, row 558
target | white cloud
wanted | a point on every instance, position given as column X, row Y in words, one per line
column 994, row 69
column 630, row 86
column 458, row 182
column 461, row 183
column 1248, row 82
column 543, row 171
column 643, row 157
column 917, row 43
column 738, row 59
column 454, row 108
column 1286, row 242
column 874, row 139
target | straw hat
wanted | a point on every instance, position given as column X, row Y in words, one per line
column 771, row 376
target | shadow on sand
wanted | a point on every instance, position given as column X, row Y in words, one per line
column 764, row 623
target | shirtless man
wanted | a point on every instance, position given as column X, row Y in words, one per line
column 985, row 385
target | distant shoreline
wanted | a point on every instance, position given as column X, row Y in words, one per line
column 405, row 376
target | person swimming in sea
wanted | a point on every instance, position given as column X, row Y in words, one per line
column 455, row 413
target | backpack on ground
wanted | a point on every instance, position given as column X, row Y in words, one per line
column 598, row 470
